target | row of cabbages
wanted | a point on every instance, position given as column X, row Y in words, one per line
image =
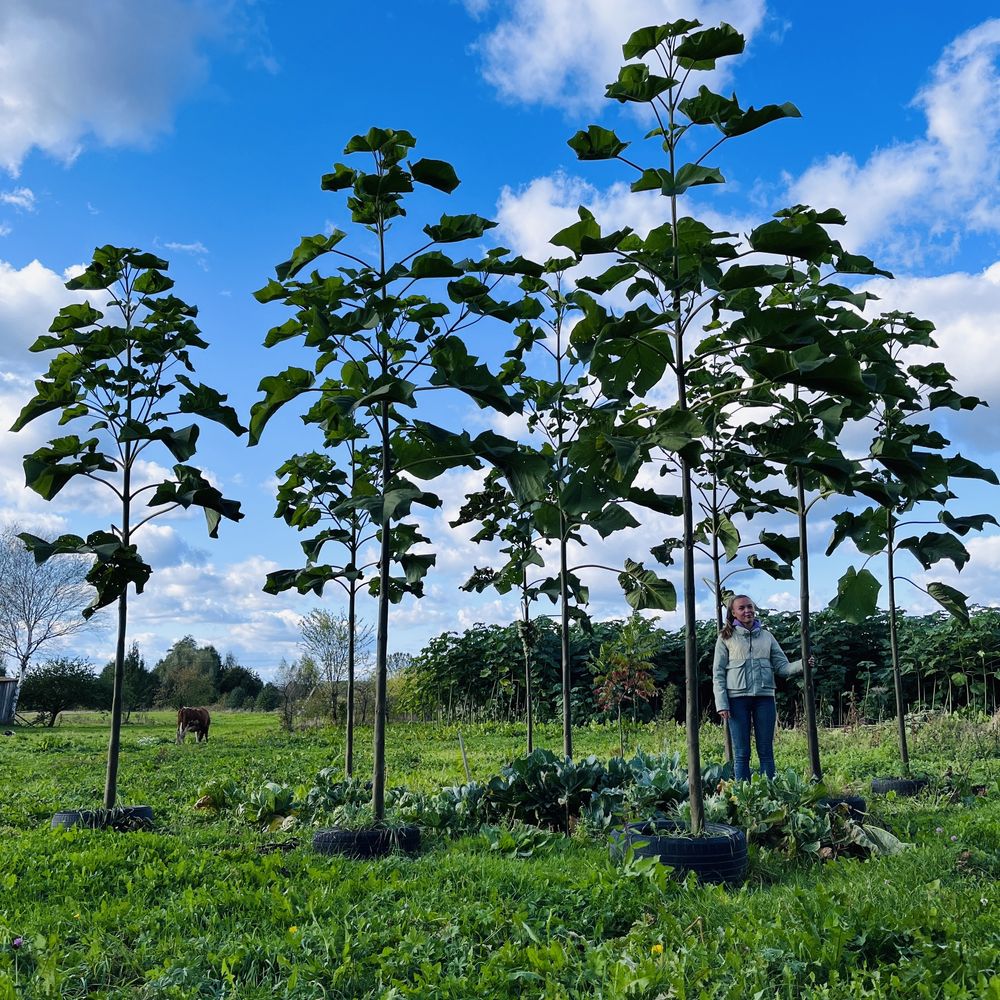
column 585, row 797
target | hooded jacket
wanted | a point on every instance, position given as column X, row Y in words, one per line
column 745, row 666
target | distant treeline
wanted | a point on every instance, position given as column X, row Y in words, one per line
column 479, row 674
column 189, row 674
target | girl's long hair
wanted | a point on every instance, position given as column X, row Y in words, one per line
column 727, row 629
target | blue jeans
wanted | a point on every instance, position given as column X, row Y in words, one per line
column 760, row 713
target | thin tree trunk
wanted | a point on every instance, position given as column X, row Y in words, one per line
column 727, row 736
column 529, row 718
column 567, row 681
column 382, row 639
column 897, row 675
column 114, row 742
column 349, row 735
column 812, row 734
column 691, row 680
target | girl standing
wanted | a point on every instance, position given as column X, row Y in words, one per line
column 747, row 657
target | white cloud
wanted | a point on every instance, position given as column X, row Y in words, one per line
column 22, row 198
column 945, row 182
column 29, row 298
column 563, row 52
column 964, row 308
column 197, row 249
column 110, row 71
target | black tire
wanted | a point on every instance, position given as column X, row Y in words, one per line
column 367, row 844
column 121, row 818
column 901, row 786
column 718, row 857
column 857, row 808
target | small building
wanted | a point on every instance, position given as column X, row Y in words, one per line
column 8, row 689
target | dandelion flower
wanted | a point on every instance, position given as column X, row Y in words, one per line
column 293, row 929
column 657, row 949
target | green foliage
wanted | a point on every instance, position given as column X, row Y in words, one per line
column 126, row 378
column 543, row 790
column 463, row 919
column 139, row 685
column 517, row 841
column 780, row 813
column 188, row 674
column 268, row 806
column 219, row 793
column 58, row 684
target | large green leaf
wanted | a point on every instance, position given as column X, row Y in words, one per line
column 306, row 252
column 867, row 530
column 729, row 536
column 668, row 504
column 431, row 451
column 190, row 488
column 436, row 174
column 952, row 600
column 756, row 276
column 204, row 401
column 527, row 472
column 857, row 594
column 963, row 525
column 455, row 228
column 278, row 390
column 434, row 265
column 754, row 118
column 613, row 517
column 775, row 570
column 77, row 316
column 635, row 83
column 644, row 40
column 690, row 175
column 182, row 443
column 935, row 546
column 808, row 242
column 585, row 236
column 644, row 589
column 596, row 144
column 700, row 49
column 454, row 368
column 786, row 548
column 965, row 468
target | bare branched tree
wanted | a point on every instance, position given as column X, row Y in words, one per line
column 326, row 637
column 40, row 603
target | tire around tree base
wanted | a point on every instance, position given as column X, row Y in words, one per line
column 718, row 857
column 368, row 844
column 857, row 807
column 121, row 818
column 901, row 786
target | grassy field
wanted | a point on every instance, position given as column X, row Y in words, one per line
column 208, row 905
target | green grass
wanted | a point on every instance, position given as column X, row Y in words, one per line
column 205, row 906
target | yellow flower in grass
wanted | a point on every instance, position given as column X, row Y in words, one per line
column 293, row 929
column 657, row 949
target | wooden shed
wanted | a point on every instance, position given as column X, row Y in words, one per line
column 8, row 688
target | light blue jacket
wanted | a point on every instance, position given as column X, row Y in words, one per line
column 745, row 665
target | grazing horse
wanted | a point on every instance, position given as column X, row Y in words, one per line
column 193, row 720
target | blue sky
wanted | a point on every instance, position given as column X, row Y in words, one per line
column 199, row 129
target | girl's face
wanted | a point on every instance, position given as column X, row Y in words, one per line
column 743, row 610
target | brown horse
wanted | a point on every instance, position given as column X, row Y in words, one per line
column 193, row 720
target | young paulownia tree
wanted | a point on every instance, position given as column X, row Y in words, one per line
column 685, row 276
column 382, row 342
column 125, row 374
